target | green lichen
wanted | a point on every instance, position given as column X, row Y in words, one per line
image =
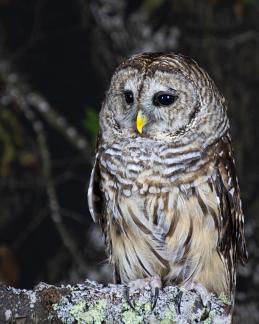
column 130, row 316
column 94, row 314
column 224, row 299
column 210, row 319
column 147, row 307
column 168, row 317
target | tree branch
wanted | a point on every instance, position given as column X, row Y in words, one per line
column 93, row 303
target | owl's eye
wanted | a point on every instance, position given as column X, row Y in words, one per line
column 128, row 95
column 164, row 99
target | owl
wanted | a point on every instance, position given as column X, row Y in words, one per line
column 164, row 186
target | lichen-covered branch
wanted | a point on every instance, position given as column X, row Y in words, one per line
column 93, row 303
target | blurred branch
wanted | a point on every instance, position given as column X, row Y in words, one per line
column 20, row 92
column 36, row 221
column 228, row 42
column 71, row 214
column 50, row 188
column 60, row 123
column 119, row 32
column 92, row 303
column 26, row 100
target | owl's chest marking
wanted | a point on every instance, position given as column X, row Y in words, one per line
column 154, row 168
column 153, row 219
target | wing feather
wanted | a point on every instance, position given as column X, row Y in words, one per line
column 94, row 193
column 231, row 215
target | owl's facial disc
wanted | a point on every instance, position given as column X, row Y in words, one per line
column 160, row 99
column 151, row 103
column 165, row 104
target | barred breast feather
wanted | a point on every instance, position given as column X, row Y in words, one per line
column 168, row 210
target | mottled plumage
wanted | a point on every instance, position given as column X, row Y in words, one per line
column 165, row 190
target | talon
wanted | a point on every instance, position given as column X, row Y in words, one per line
column 178, row 300
column 154, row 299
column 127, row 293
column 203, row 292
column 151, row 283
column 206, row 312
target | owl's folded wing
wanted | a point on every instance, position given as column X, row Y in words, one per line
column 231, row 214
column 94, row 192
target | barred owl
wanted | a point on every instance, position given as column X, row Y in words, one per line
column 163, row 186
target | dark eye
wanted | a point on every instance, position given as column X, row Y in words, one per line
column 129, row 98
column 164, row 99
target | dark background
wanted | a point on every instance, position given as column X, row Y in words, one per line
column 56, row 59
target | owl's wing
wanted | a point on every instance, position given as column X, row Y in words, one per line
column 95, row 197
column 231, row 229
column 94, row 192
column 96, row 203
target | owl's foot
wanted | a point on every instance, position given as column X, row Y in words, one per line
column 196, row 287
column 151, row 283
column 203, row 292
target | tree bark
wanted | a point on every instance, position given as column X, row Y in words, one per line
column 93, row 303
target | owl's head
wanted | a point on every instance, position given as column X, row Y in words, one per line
column 161, row 96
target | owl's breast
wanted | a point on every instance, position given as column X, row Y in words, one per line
column 145, row 166
column 123, row 163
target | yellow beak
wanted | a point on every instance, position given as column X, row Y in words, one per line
column 141, row 121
